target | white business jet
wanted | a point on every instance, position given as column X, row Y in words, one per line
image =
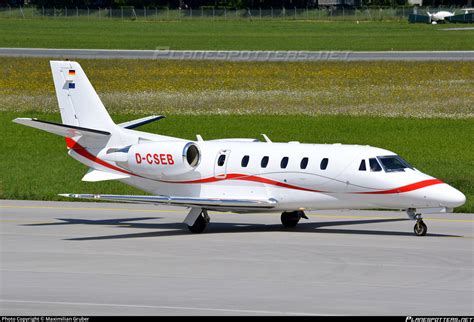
column 238, row 175
column 439, row 16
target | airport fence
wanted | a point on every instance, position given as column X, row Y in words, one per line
column 132, row 13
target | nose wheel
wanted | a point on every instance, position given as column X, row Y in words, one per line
column 420, row 228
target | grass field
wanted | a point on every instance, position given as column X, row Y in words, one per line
column 231, row 35
column 36, row 166
column 421, row 90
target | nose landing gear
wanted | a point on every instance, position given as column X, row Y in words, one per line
column 420, row 228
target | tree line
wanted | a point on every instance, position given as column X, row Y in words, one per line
column 230, row 4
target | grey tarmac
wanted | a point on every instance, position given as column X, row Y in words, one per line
column 244, row 55
column 77, row 258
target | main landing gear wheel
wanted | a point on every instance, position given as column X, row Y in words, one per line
column 200, row 224
column 290, row 219
column 420, row 228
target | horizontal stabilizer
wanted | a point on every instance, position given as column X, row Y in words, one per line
column 61, row 129
column 97, row 175
column 144, row 120
column 183, row 201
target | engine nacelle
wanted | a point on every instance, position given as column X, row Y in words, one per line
column 162, row 159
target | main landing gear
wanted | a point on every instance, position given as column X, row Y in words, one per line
column 420, row 228
column 200, row 223
column 290, row 219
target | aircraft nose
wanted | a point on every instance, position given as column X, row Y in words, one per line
column 451, row 197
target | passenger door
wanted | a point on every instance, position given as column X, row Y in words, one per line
column 220, row 164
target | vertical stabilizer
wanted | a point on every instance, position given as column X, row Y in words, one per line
column 78, row 102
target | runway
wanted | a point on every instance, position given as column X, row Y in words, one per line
column 74, row 258
column 163, row 53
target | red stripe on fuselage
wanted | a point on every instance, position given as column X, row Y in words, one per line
column 244, row 177
column 407, row 188
column 79, row 149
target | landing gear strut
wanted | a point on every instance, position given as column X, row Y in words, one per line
column 290, row 219
column 201, row 223
column 420, row 228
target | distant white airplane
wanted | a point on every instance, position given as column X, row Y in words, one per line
column 439, row 16
column 238, row 175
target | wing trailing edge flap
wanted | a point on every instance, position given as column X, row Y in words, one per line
column 94, row 175
column 182, row 201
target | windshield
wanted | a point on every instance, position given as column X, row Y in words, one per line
column 393, row 163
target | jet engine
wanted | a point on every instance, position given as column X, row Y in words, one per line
column 157, row 159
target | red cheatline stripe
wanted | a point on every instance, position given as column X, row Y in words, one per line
column 407, row 188
column 245, row 177
column 79, row 149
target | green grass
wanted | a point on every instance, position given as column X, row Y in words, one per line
column 231, row 35
column 35, row 164
column 409, row 89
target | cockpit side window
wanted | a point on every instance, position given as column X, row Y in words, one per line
column 393, row 163
column 374, row 165
column 362, row 166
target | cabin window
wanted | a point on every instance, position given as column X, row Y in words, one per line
column 304, row 163
column 324, row 163
column 221, row 160
column 264, row 162
column 284, row 162
column 374, row 165
column 362, row 166
column 245, row 161
column 394, row 163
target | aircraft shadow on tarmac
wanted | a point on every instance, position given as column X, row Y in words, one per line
column 179, row 229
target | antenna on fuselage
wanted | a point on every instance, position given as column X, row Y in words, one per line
column 266, row 138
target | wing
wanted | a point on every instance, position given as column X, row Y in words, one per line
column 208, row 203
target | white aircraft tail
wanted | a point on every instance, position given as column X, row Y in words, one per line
column 78, row 101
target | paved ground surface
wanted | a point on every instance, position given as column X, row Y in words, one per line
column 240, row 55
column 98, row 259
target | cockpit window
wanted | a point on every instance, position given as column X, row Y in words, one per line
column 394, row 163
column 374, row 165
column 362, row 166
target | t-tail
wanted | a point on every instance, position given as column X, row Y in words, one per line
column 86, row 124
column 78, row 101
column 82, row 111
